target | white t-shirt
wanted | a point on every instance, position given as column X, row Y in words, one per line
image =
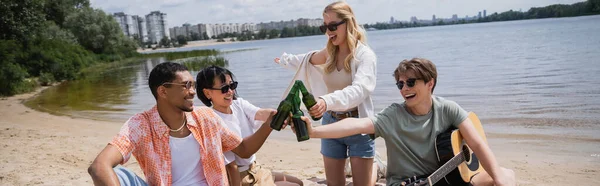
column 241, row 122
column 186, row 167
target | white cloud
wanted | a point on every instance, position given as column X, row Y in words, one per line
column 367, row 11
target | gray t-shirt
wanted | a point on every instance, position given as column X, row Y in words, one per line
column 410, row 139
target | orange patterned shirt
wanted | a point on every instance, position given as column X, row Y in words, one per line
column 146, row 136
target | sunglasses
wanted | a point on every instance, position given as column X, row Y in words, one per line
column 188, row 85
column 332, row 27
column 225, row 89
column 410, row 82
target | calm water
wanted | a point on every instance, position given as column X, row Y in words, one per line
column 533, row 69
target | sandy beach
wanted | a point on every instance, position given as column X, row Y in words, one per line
column 201, row 43
column 43, row 149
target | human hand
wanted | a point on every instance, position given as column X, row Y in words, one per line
column 318, row 109
column 505, row 178
column 272, row 113
column 277, row 60
column 306, row 120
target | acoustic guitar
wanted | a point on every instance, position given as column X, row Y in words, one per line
column 457, row 160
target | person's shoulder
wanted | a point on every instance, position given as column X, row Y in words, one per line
column 137, row 120
column 363, row 50
column 143, row 118
column 203, row 111
column 443, row 102
column 392, row 108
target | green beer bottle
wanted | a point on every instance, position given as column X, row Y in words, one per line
column 283, row 112
column 300, row 127
column 307, row 98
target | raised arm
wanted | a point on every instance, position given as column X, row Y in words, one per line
column 342, row 128
column 263, row 114
column 291, row 61
column 319, row 58
column 101, row 169
column 252, row 143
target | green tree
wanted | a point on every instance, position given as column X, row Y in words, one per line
column 164, row 42
column 53, row 31
column 274, row 33
column 205, row 36
column 594, row 6
column 12, row 75
column 99, row 32
column 195, row 36
column 58, row 10
column 20, row 18
column 262, row 34
column 181, row 40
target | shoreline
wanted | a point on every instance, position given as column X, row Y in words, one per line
column 191, row 44
column 44, row 149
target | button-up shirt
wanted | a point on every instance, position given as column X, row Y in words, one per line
column 146, row 136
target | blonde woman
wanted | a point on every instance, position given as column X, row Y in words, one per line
column 342, row 76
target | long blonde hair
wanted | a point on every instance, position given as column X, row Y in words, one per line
column 354, row 34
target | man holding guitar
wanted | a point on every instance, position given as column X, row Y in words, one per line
column 410, row 129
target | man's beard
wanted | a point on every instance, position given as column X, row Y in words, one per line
column 185, row 109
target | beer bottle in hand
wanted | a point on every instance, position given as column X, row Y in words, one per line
column 283, row 112
column 307, row 98
column 300, row 127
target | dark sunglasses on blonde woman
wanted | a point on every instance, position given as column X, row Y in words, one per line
column 332, row 26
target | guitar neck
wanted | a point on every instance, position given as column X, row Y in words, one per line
column 446, row 168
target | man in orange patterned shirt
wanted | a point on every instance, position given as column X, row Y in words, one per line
column 174, row 142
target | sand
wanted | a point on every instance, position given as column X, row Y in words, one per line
column 38, row 148
column 201, row 43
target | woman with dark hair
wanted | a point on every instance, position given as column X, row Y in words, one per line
column 216, row 88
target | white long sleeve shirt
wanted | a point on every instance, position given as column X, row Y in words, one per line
column 364, row 77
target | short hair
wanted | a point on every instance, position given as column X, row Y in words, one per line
column 163, row 73
column 206, row 79
column 422, row 68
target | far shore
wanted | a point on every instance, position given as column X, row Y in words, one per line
column 38, row 148
column 201, row 43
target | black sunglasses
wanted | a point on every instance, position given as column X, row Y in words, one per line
column 410, row 82
column 225, row 89
column 332, row 27
column 187, row 85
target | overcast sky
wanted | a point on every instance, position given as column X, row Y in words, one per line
column 256, row 11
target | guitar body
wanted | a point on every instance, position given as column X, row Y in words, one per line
column 450, row 144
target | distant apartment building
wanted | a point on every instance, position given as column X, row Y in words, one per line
column 132, row 26
column 484, row 13
column 290, row 24
column 212, row 29
column 156, row 23
column 217, row 29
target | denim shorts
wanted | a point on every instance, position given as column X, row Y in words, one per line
column 358, row 145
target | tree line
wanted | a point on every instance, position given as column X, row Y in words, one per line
column 43, row 41
column 589, row 7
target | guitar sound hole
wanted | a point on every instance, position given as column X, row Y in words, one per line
column 466, row 153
